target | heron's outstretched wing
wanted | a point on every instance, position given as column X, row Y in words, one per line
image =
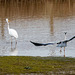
column 41, row 44
column 69, row 39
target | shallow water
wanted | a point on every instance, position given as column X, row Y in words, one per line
column 40, row 21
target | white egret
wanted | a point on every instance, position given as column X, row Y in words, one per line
column 12, row 32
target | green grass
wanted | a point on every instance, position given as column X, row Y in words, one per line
column 45, row 65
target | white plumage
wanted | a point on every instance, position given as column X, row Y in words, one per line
column 12, row 32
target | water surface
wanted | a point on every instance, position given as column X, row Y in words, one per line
column 40, row 21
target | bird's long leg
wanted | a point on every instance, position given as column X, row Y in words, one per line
column 60, row 49
column 15, row 42
column 11, row 45
column 64, row 51
column 11, row 40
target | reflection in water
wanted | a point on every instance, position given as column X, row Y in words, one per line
column 12, row 45
column 36, row 9
column 23, row 9
column 37, row 20
column 51, row 25
column 13, row 52
column 64, row 53
column 2, row 28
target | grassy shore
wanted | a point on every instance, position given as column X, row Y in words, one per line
column 40, row 65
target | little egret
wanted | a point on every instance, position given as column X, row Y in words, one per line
column 12, row 32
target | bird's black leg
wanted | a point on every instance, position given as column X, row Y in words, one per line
column 60, row 49
column 11, row 45
column 15, row 42
column 11, row 40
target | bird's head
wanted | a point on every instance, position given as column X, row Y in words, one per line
column 65, row 33
column 7, row 20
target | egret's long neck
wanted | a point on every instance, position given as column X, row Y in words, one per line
column 8, row 26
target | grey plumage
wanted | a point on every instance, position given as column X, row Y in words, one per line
column 59, row 44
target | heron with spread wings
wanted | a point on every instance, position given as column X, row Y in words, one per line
column 59, row 44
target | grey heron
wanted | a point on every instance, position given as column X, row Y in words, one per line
column 59, row 44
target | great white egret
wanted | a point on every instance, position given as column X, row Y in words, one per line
column 59, row 44
column 12, row 32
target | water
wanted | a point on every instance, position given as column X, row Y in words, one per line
column 40, row 21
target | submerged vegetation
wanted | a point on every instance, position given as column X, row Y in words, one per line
column 41, row 65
